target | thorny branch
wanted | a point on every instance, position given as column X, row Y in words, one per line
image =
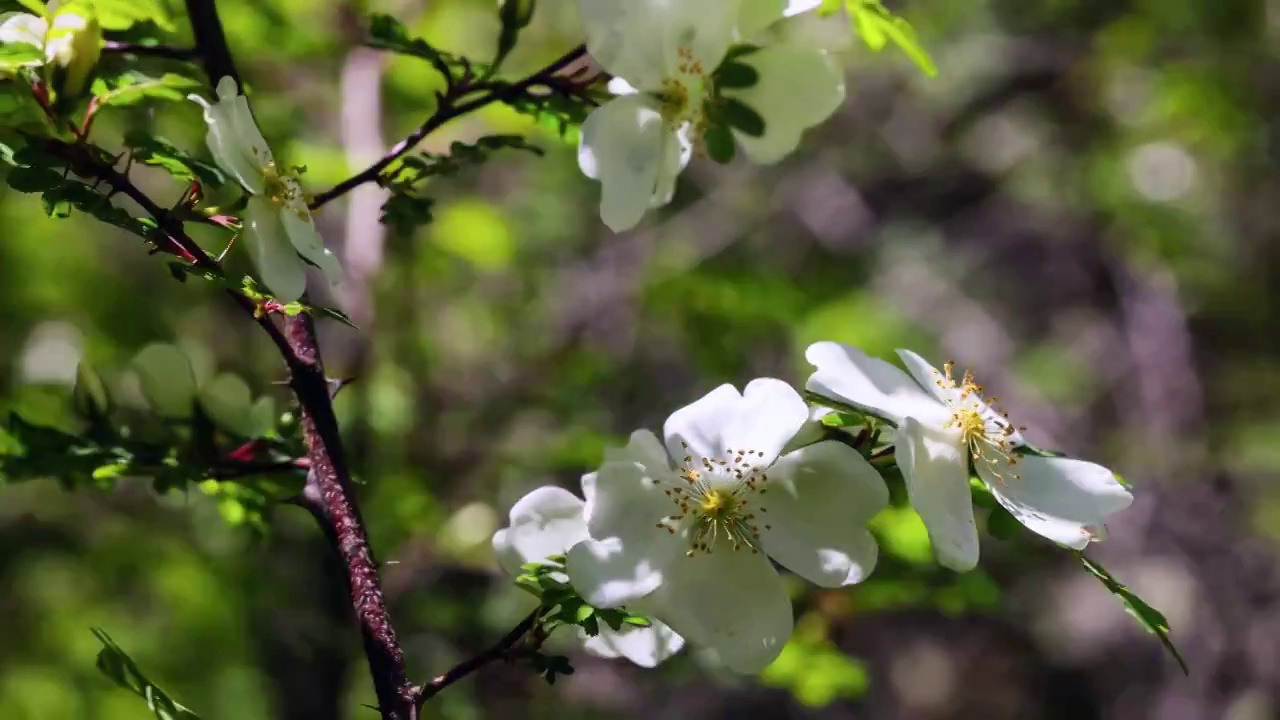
column 329, row 494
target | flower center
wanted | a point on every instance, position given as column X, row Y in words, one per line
column 987, row 432
column 683, row 94
column 717, row 500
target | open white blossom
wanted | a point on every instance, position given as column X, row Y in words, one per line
column 549, row 521
column 277, row 223
column 691, row 526
column 944, row 423
column 637, row 144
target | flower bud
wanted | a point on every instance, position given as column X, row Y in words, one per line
column 72, row 48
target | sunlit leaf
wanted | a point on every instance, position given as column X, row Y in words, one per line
column 123, row 671
column 1147, row 616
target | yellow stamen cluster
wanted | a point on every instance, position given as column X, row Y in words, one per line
column 987, row 431
column 715, row 498
column 682, row 95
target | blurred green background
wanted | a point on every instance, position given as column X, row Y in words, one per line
column 1081, row 207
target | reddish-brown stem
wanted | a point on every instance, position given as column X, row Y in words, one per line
column 329, row 493
column 499, row 650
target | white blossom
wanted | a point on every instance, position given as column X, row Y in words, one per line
column 943, row 425
column 277, row 223
column 691, row 525
column 637, row 144
column 549, row 521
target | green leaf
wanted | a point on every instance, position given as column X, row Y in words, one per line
column 123, row 671
column 34, row 179
column 583, row 613
column 123, row 14
column 742, row 116
column 158, row 152
column 90, row 397
column 1002, row 524
column 877, row 26
column 35, row 7
column 338, row 315
column 735, row 75
column 131, row 87
column 406, row 212
column 719, row 143
column 515, row 16
column 1147, row 616
column 18, row 54
column 388, row 33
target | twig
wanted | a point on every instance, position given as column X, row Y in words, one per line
column 329, row 482
column 164, row 51
column 500, row 650
column 448, row 110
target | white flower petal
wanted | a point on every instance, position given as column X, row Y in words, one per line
column 618, row 86
column 929, row 377
column 697, row 429
column 248, row 138
column 622, row 146
column 644, row 646
column 935, row 466
column 642, row 40
column 731, row 601
column 795, row 7
column 756, row 15
column 1059, row 498
column 643, row 447
column 221, row 139
column 764, row 420
column 508, row 558
column 799, row 87
column 819, row 499
column 282, row 271
column 25, row 28
column 847, row 374
column 547, row 521
column 677, row 149
column 304, row 237
column 626, row 558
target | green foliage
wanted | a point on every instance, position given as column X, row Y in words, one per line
column 814, row 670
column 37, row 170
column 132, row 87
column 124, row 14
column 408, row 207
column 1147, row 616
column 388, row 33
column 158, row 152
column 515, row 16
column 121, row 669
column 14, row 55
column 561, row 604
column 877, row 27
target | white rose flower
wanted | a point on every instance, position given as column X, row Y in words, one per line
column 277, row 223
column 943, row 424
column 637, row 144
column 692, row 526
column 549, row 521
